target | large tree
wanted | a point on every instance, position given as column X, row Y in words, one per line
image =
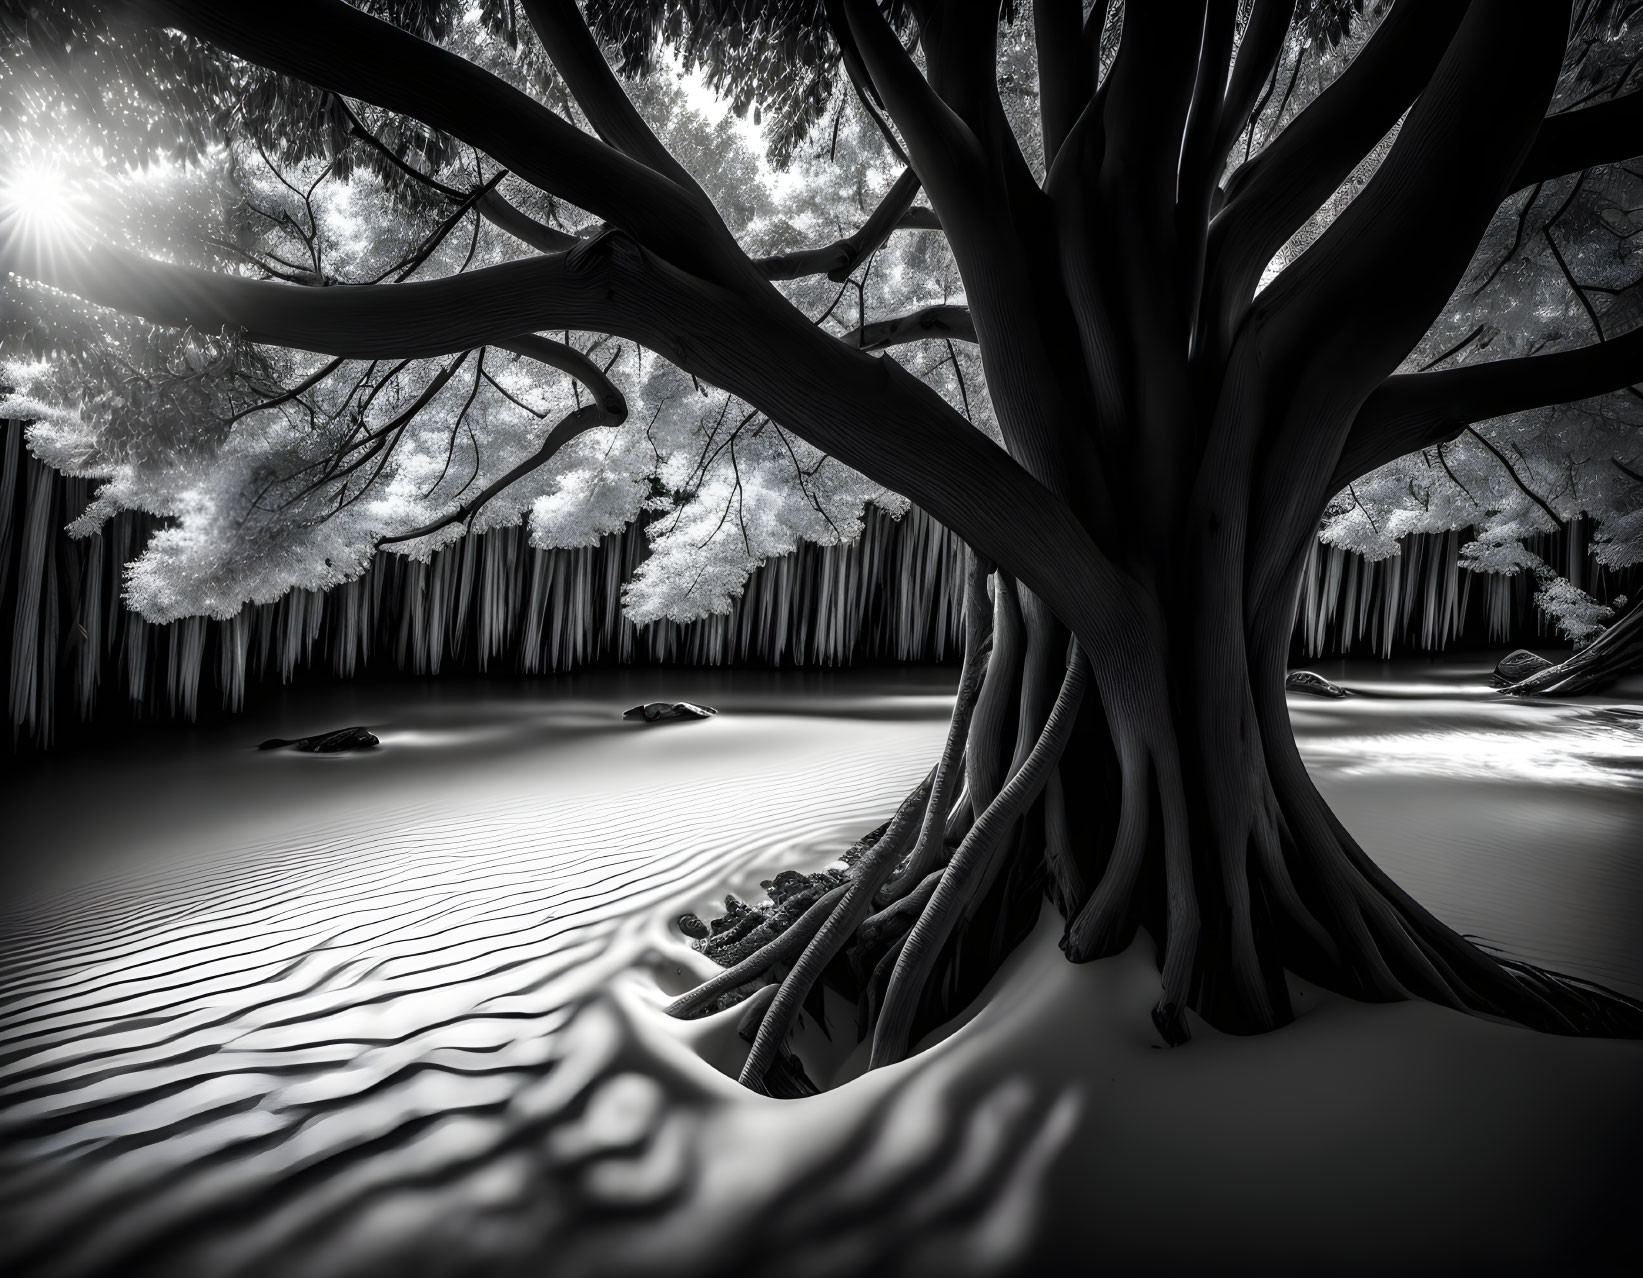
column 1172, row 417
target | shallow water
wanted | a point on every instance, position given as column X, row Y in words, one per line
column 272, row 1013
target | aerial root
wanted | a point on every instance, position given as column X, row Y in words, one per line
column 1182, row 921
column 1100, row 925
column 907, row 907
column 830, row 937
column 1068, row 882
column 780, row 950
column 965, row 873
column 872, row 995
column 1400, row 950
column 949, row 770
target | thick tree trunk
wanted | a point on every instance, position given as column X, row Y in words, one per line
column 1202, row 829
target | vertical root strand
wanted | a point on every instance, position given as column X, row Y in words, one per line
column 956, row 887
column 871, row 871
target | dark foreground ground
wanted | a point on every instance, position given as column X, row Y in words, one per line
column 396, row 1012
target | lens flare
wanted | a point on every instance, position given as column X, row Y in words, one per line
column 42, row 218
column 37, row 198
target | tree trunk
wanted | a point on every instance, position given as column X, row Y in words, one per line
column 1198, row 825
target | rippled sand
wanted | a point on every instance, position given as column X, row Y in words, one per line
column 396, row 1013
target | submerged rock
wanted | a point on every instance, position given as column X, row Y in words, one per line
column 1517, row 666
column 1316, row 684
column 326, row 742
column 655, row 711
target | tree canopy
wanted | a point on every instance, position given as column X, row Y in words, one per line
column 140, row 132
column 284, row 470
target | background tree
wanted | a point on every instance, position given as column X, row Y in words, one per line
column 1173, row 415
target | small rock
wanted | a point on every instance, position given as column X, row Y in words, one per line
column 1517, row 666
column 655, row 711
column 1317, row 685
column 326, row 742
column 692, row 926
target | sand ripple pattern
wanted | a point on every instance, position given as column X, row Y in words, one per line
column 349, row 1031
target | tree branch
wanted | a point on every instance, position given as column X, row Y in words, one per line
column 839, row 259
column 1416, row 410
column 492, row 207
column 1200, row 163
column 1271, row 196
column 1337, row 322
column 1144, row 112
column 940, row 145
column 337, row 47
column 579, row 60
column 1572, row 140
column 1365, row 292
column 1065, row 79
column 608, row 408
column 1258, row 55
column 1516, row 478
column 497, row 210
column 1200, row 160
column 932, row 322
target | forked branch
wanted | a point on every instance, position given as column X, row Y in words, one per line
column 839, row 259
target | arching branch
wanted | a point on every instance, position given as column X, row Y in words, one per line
column 409, row 320
column 872, row 414
column 581, row 63
column 1364, row 293
column 1336, row 323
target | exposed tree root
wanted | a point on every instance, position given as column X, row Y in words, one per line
column 835, row 930
column 967, row 874
column 1233, row 863
column 1615, row 652
column 933, row 831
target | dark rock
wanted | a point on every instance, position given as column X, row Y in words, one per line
column 326, row 742
column 692, row 926
column 1317, row 685
column 786, row 884
column 1517, row 666
column 656, row 711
